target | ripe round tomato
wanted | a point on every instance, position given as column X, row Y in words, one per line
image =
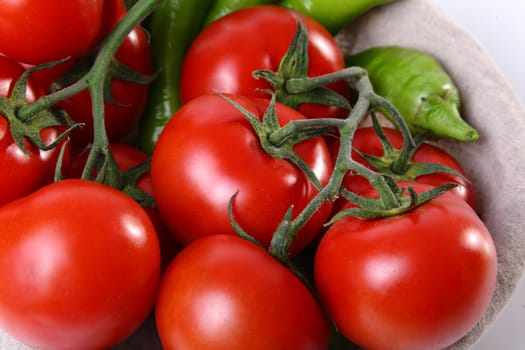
column 35, row 32
column 79, row 266
column 366, row 141
column 127, row 156
column 23, row 173
column 208, row 152
column 224, row 292
column 224, row 54
column 420, row 280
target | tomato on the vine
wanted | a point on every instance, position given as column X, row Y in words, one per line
column 208, row 152
column 226, row 52
column 367, row 141
column 35, row 32
column 79, row 266
column 420, row 280
column 121, row 114
column 127, row 156
column 23, row 173
column 224, row 292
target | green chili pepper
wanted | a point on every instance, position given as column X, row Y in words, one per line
column 420, row 89
column 173, row 26
column 223, row 7
column 333, row 14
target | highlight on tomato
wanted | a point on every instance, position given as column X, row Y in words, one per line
column 36, row 32
column 79, row 266
column 408, row 281
column 225, row 292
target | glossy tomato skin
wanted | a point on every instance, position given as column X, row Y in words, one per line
column 217, row 59
column 208, row 152
column 127, row 156
column 79, row 266
column 23, row 173
column 113, row 12
column 421, row 280
column 366, row 141
column 35, row 32
column 224, row 292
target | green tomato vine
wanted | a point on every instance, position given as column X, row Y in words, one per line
column 292, row 87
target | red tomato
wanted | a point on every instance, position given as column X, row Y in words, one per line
column 224, row 292
column 122, row 115
column 366, row 141
column 126, row 157
column 35, row 32
column 114, row 10
column 421, row 280
column 79, row 266
column 208, row 151
column 224, row 54
column 22, row 173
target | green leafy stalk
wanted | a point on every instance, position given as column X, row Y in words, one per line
column 95, row 80
column 294, row 67
column 284, row 148
column 30, row 127
column 293, row 87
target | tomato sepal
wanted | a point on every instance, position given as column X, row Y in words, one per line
column 30, row 128
column 373, row 208
column 294, row 67
column 130, row 178
column 397, row 162
column 284, row 149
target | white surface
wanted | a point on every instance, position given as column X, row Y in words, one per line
column 500, row 28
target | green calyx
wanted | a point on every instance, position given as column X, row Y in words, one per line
column 397, row 163
column 394, row 165
column 279, row 149
column 31, row 127
column 130, row 177
column 406, row 199
column 294, row 68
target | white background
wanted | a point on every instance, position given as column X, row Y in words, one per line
column 500, row 28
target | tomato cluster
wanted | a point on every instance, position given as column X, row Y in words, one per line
column 80, row 261
column 212, row 233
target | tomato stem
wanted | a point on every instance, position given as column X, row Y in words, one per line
column 283, row 149
column 100, row 155
column 392, row 200
column 290, row 82
column 343, row 161
column 292, row 86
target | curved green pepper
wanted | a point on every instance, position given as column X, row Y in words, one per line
column 172, row 27
column 223, row 7
column 333, row 14
column 420, row 89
